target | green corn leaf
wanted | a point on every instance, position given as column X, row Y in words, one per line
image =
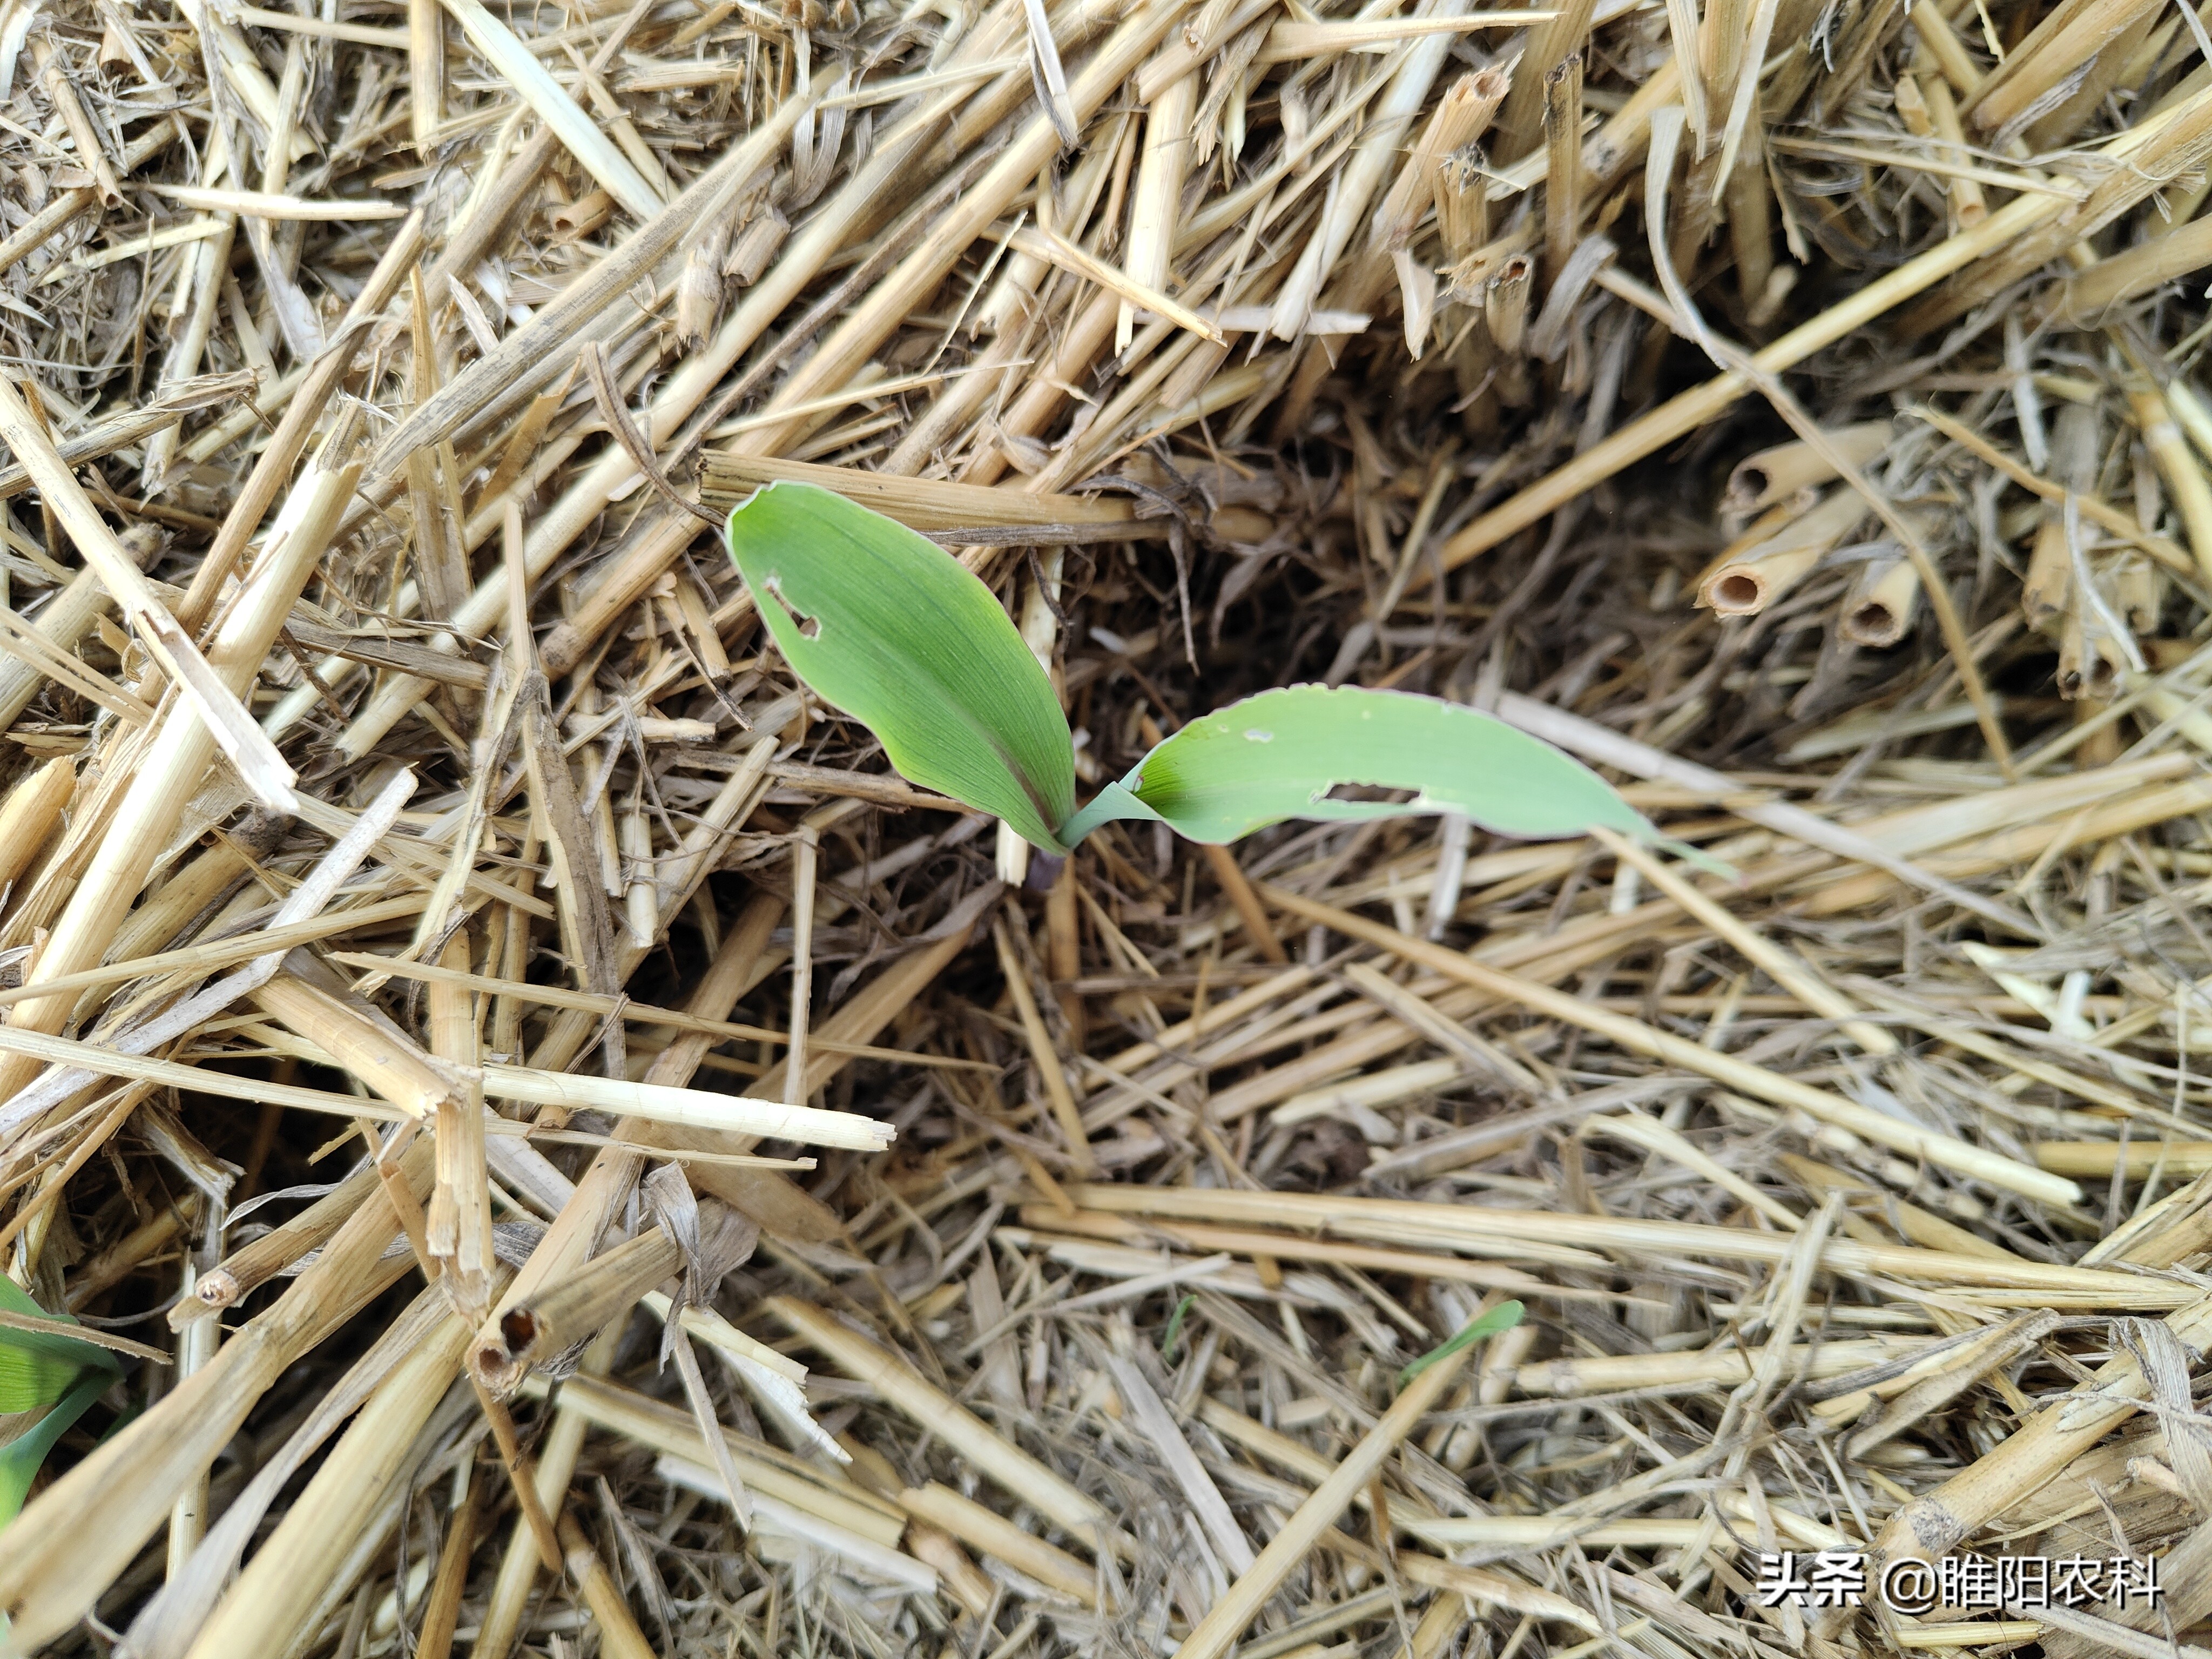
column 55, row 1375
column 36, row 1369
column 890, row 627
column 1502, row 1318
column 21, row 1457
column 1175, row 1326
column 1278, row 755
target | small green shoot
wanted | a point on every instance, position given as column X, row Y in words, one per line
column 893, row 630
column 1174, row 1327
column 46, row 1382
column 1502, row 1318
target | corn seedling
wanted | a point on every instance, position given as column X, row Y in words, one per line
column 1502, row 1318
column 890, row 627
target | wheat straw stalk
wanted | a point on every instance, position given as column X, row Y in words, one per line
column 460, row 1218
column 319, row 381
column 1633, row 1035
column 1049, row 1221
column 26, row 642
column 2025, row 845
column 1225, row 1620
column 365, row 1045
column 599, row 155
column 841, row 355
column 2061, row 43
column 556, row 1454
column 2090, row 294
column 442, row 1612
column 769, row 1119
column 1058, row 1095
column 775, row 1516
column 790, row 1480
column 1919, row 1225
column 228, row 951
column 321, row 883
column 29, row 814
column 534, row 354
column 1539, row 1533
column 253, row 1265
column 609, row 1607
column 2176, row 464
column 167, row 1623
column 1282, row 1450
column 1609, row 748
column 562, row 1316
column 1461, row 116
column 1368, row 1090
column 555, row 996
column 2169, row 143
column 1505, row 299
column 994, row 1535
column 268, row 1605
column 63, row 621
column 178, row 756
column 61, row 91
column 2182, row 1160
column 1563, row 183
column 1161, row 166
column 1687, row 411
column 585, row 1208
column 119, row 431
column 261, row 204
column 1404, row 1222
column 48, row 222
column 888, row 165
column 1746, row 583
column 1761, row 480
column 212, row 700
column 1135, row 292
column 933, row 506
column 1599, row 1374
column 1655, row 1136
column 902, row 1388
column 1290, row 42
column 73, row 1539
column 1878, row 609
column 193, row 302
column 1937, row 1522
column 883, row 999
column 857, row 203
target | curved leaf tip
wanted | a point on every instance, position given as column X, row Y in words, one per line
column 1283, row 754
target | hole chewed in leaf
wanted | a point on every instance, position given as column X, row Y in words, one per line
column 810, row 626
column 1368, row 795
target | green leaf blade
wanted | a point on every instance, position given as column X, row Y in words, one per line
column 21, row 1457
column 36, row 1368
column 1502, row 1318
column 888, row 626
column 1276, row 756
column 56, row 1375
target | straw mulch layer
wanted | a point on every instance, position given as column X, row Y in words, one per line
column 413, row 852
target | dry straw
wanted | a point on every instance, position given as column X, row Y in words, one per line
column 415, row 864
